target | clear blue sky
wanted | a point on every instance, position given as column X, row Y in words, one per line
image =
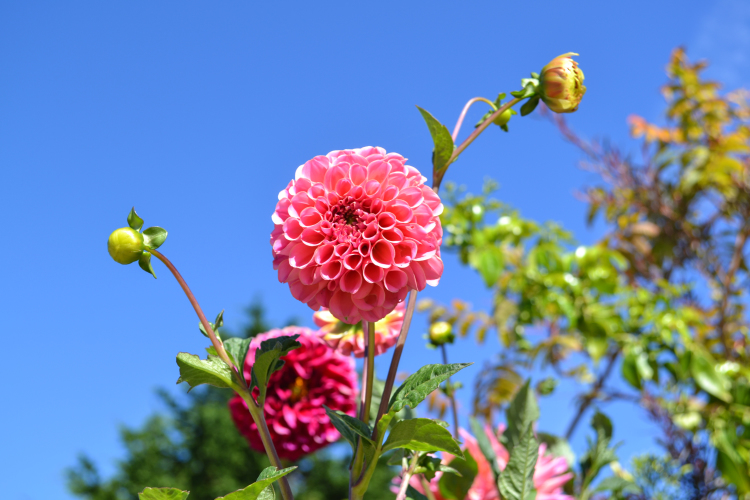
column 198, row 114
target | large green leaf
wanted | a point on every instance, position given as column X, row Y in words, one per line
column 521, row 413
column 705, row 375
column 196, row 371
column 162, row 494
column 255, row 490
column 517, row 479
column 441, row 138
column 422, row 434
column 457, row 486
column 349, row 427
column 420, row 384
column 267, row 361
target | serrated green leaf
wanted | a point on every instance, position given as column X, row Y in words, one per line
column 349, row 427
column 163, row 494
column 145, row 263
column 154, row 237
column 196, row 371
column 134, row 221
column 422, row 434
column 517, row 479
column 705, row 375
column 237, row 349
column 442, row 139
column 267, row 361
column 480, row 434
column 268, row 494
column 416, row 388
column 267, row 477
column 522, row 412
column 456, row 487
column 530, row 105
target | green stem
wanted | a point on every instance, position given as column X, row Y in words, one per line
column 252, row 406
column 368, row 378
column 426, row 487
column 260, row 420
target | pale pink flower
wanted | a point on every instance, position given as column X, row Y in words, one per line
column 313, row 375
column 550, row 474
column 349, row 339
column 355, row 231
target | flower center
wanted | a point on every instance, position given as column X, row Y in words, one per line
column 299, row 389
column 347, row 219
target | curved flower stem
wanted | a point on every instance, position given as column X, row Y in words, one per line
column 439, row 175
column 206, row 325
column 452, row 396
column 255, row 411
column 407, row 476
column 465, row 110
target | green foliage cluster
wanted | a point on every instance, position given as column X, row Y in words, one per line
column 662, row 297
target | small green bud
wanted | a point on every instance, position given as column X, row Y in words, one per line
column 125, row 245
column 504, row 117
column 441, row 333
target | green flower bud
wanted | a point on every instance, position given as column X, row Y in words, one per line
column 125, row 245
column 561, row 84
column 441, row 333
column 504, row 117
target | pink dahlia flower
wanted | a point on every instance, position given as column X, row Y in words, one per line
column 355, row 231
column 313, row 375
column 349, row 339
column 550, row 474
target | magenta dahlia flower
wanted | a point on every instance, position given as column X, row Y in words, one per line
column 355, row 231
column 550, row 474
column 349, row 339
column 313, row 375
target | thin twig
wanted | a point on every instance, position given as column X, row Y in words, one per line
column 589, row 398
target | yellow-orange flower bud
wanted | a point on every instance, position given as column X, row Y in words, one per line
column 125, row 245
column 561, row 84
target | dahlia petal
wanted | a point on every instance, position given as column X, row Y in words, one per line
column 386, row 220
column 433, row 269
column 358, row 174
column 331, row 270
column 351, row 281
column 301, row 255
column 395, row 279
column 382, row 254
column 412, row 196
column 378, row 171
column 390, row 193
column 333, row 175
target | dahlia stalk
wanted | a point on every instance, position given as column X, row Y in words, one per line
column 256, row 412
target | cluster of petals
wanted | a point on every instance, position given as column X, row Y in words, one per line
column 355, row 231
column 313, row 375
column 550, row 474
column 350, row 339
